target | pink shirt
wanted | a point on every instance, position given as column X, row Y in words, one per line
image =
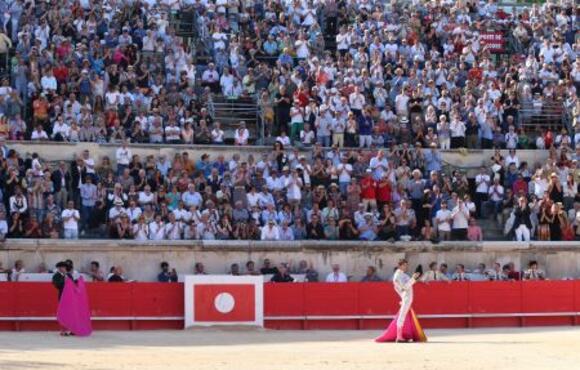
column 474, row 233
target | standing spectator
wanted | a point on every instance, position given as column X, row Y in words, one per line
column 123, row 156
column 474, row 232
column 482, row 182
column 522, row 223
column 443, row 222
column 70, row 218
column 368, row 191
column 460, row 216
column 89, row 197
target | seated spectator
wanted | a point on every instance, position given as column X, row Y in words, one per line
column 336, row 276
column 282, row 276
column 116, row 275
column 166, row 276
column 95, row 272
column 497, row 273
column 310, row 274
column 460, row 274
column 235, row 269
column 270, row 232
column 267, row 268
column 17, row 270
column 533, row 272
column 371, row 275
column 434, row 274
column 199, row 269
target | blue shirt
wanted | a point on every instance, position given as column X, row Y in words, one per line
column 432, row 160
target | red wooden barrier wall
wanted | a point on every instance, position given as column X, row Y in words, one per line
column 134, row 306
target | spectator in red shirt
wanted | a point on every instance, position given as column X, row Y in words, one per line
column 475, row 73
column 384, row 191
column 368, row 190
column 61, row 72
column 520, row 185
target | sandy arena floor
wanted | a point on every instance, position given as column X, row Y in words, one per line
column 531, row 348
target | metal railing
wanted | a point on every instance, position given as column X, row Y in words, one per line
column 550, row 115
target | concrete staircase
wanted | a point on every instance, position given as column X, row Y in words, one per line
column 231, row 112
column 492, row 230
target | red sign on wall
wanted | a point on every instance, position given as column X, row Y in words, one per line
column 493, row 41
column 224, row 302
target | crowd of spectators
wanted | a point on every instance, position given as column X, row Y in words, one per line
column 286, row 195
column 402, row 71
column 286, row 272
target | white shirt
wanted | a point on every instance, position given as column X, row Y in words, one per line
column 496, row 193
column 442, row 216
column 156, row 231
column 134, row 213
column 217, row 135
column 241, row 136
column 38, row 135
column 60, row 128
column 141, row 232
column 460, row 217
column 123, row 156
column 356, row 100
column 210, row 76
column 192, row 199
column 338, row 277
column 173, row 230
column 48, row 83
column 344, row 171
column 270, row 233
column 116, row 212
column 457, row 128
column 70, row 218
column 482, row 182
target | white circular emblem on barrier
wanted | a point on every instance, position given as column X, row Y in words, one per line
column 224, row 303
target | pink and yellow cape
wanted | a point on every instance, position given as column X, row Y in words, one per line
column 412, row 330
column 73, row 311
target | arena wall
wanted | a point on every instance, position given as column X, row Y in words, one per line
column 140, row 261
column 53, row 151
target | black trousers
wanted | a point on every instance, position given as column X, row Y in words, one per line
column 458, row 234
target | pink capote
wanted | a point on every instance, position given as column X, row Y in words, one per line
column 411, row 330
column 73, row 311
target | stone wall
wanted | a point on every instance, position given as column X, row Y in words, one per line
column 52, row 151
column 141, row 260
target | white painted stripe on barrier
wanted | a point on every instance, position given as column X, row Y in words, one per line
column 311, row 318
column 436, row 316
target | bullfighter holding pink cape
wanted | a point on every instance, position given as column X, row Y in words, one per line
column 405, row 326
column 73, row 312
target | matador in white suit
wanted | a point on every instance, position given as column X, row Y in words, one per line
column 403, row 285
